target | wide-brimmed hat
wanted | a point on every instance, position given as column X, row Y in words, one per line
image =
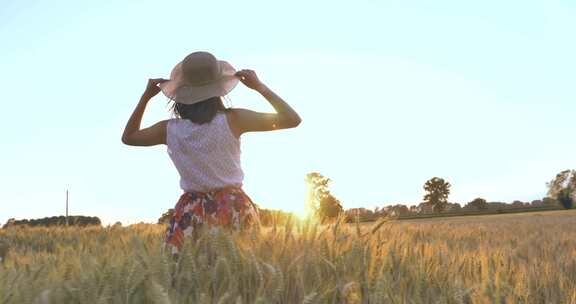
column 198, row 77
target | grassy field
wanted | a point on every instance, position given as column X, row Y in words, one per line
column 512, row 258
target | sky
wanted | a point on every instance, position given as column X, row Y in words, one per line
column 391, row 93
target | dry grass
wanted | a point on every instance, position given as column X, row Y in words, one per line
column 528, row 258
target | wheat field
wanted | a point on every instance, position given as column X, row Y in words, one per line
column 518, row 258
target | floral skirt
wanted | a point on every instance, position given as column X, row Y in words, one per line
column 227, row 207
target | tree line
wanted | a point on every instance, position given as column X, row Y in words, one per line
column 73, row 220
column 561, row 193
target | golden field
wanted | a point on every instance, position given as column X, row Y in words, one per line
column 516, row 258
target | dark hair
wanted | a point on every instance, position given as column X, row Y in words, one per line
column 200, row 112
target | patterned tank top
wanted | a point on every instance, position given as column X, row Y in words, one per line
column 207, row 156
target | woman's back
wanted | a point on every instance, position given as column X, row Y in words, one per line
column 207, row 156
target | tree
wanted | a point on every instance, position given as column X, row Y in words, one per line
column 536, row 203
column 166, row 216
column 437, row 193
column 425, row 208
column 563, row 188
column 477, row 203
column 518, row 204
column 360, row 214
column 320, row 201
column 9, row 223
column 398, row 210
column 548, row 201
column 565, row 198
column 453, row 207
column 74, row 220
column 330, row 208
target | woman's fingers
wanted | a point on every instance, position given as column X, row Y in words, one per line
column 245, row 73
column 157, row 80
column 249, row 78
column 241, row 74
column 152, row 87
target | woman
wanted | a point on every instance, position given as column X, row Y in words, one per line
column 204, row 141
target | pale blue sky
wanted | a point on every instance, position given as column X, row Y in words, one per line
column 391, row 94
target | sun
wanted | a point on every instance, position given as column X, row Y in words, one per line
column 302, row 213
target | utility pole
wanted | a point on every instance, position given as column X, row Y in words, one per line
column 66, row 207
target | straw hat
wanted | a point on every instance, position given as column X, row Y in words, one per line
column 198, row 77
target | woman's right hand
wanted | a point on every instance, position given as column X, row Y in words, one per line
column 249, row 79
column 152, row 87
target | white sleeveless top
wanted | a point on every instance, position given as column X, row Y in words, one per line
column 207, row 156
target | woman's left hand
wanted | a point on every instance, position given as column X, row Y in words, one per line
column 152, row 88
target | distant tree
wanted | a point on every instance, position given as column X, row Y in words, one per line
column 437, row 193
column 477, row 203
column 361, row 214
column 536, row 203
column 563, row 188
column 565, row 198
column 330, row 208
column 453, row 207
column 425, row 208
column 380, row 212
column 498, row 206
column 74, row 220
column 9, row 222
column 518, row 204
column 166, row 216
column 398, row 210
column 325, row 206
column 548, row 201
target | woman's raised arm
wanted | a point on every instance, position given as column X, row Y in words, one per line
column 249, row 121
column 153, row 135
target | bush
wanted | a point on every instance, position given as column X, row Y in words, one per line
column 565, row 198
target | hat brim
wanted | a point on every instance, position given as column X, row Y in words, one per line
column 178, row 90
